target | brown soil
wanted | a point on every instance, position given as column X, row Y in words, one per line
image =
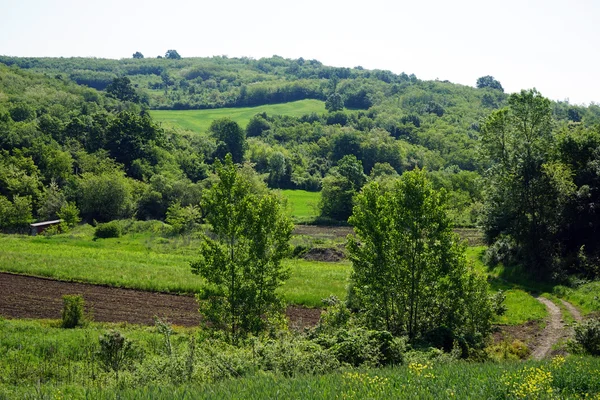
column 325, row 232
column 31, row 297
column 324, row 254
column 528, row 333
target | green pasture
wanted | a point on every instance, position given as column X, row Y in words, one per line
column 302, row 205
column 200, row 120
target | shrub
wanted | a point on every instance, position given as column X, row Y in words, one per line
column 72, row 314
column 503, row 250
column 69, row 213
column 587, row 334
column 358, row 346
column 108, row 230
column 115, row 353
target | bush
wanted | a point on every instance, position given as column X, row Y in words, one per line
column 587, row 335
column 116, row 352
column 504, row 250
column 72, row 314
column 108, row 230
column 361, row 347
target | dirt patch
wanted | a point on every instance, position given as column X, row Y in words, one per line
column 323, row 232
column 327, row 254
column 31, row 297
column 528, row 333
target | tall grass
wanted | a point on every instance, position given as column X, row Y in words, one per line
column 40, row 360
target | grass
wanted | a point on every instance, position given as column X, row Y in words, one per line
column 303, row 206
column 40, row 360
column 200, row 120
column 312, row 281
column 147, row 262
column 586, row 296
column 521, row 306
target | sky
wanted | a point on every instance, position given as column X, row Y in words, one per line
column 551, row 45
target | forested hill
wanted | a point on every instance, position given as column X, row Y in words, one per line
column 72, row 125
column 198, row 83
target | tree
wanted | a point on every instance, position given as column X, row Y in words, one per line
column 334, row 102
column 489, row 82
column 410, row 275
column 230, row 138
column 172, row 54
column 122, row 89
column 131, row 136
column 241, row 258
column 340, row 186
column 105, row 197
column 138, row 55
column 521, row 199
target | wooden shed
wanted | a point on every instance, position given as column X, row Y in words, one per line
column 39, row 227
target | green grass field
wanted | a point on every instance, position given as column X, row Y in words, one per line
column 302, row 205
column 200, row 120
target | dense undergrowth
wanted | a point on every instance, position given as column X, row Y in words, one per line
column 40, row 360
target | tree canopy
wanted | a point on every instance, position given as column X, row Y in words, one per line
column 410, row 275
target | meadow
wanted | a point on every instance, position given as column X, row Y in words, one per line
column 303, row 206
column 200, row 120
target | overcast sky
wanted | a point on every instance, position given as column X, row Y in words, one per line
column 547, row 44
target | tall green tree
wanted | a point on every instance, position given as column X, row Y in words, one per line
column 241, row 257
column 521, row 197
column 230, row 137
column 410, row 275
column 340, row 187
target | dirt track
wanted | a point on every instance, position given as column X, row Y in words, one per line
column 30, row 297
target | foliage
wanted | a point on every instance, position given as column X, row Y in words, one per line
column 489, row 82
column 69, row 213
column 409, row 269
column 122, row 89
column 334, row 102
column 340, row 187
column 241, row 260
column 115, row 353
column 41, row 360
column 172, row 54
column 183, row 219
column 72, row 313
column 521, row 199
column 108, row 230
column 230, row 138
column 104, row 197
column 587, row 335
